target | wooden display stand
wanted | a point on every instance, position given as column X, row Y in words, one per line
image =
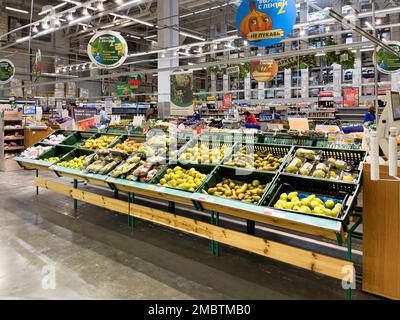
column 33, row 136
column 381, row 258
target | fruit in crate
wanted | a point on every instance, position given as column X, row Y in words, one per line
column 306, row 153
column 100, row 143
column 203, row 154
column 294, row 165
column 75, row 163
column 246, row 192
column 129, row 146
column 308, row 204
column 259, row 160
column 51, row 159
column 104, row 161
column 183, row 179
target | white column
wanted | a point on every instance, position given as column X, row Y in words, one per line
column 168, row 36
column 288, row 83
column 337, row 80
column 261, row 90
column 305, row 83
column 247, row 87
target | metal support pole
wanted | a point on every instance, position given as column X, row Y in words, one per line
column 251, row 227
column 171, row 207
column 131, row 218
column 37, row 176
column 75, row 201
column 116, row 194
column 215, row 244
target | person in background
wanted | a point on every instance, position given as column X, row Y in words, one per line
column 71, row 107
column 251, row 121
column 151, row 113
column 103, row 115
column 370, row 116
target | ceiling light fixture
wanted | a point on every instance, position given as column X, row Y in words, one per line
column 182, row 33
column 17, row 10
column 129, row 3
column 54, row 8
column 85, row 11
column 100, row 6
column 70, row 17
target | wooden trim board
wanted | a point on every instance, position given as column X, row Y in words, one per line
column 305, row 259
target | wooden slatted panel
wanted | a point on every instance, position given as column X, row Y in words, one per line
column 305, row 259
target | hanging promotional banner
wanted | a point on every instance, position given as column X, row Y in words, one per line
column 182, row 94
column 351, row 97
column 387, row 62
column 107, row 49
column 264, row 70
column 264, row 23
column 7, row 71
column 38, row 64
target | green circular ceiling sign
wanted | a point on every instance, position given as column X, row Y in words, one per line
column 7, row 71
column 386, row 61
column 108, row 49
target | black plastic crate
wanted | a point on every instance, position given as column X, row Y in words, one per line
column 280, row 151
column 346, row 193
column 204, row 169
column 238, row 176
column 210, row 144
column 355, row 157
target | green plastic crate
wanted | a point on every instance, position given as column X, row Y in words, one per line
column 74, row 154
column 98, row 135
column 346, row 193
column 204, row 169
column 281, row 151
column 357, row 157
column 238, row 175
column 77, row 139
column 56, row 151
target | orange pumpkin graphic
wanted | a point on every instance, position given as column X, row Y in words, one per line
column 255, row 21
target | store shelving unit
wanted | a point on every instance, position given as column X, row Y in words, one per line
column 11, row 139
column 333, row 229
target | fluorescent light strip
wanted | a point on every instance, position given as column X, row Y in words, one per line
column 54, row 8
column 150, row 37
column 133, row 19
column 17, row 10
column 129, row 3
column 75, row 21
column 191, row 36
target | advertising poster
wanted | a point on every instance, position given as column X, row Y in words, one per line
column 108, row 49
column 350, row 97
column 182, row 94
column 264, row 23
column 386, row 61
column 7, row 71
column 264, row 70
column 129, row 87
column 227, row 101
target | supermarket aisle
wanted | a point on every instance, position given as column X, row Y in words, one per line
column 47, row 253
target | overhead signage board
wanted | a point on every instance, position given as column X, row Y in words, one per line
column 387, row 62
column 264, row 23
column 107, row 49
column 7, row 71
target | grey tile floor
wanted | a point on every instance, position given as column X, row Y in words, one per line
column 47, row 251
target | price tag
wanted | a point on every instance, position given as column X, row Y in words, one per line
column 274, row 213
column 205, row 199
column 159, row 189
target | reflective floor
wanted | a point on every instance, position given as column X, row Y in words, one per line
column 47, row 251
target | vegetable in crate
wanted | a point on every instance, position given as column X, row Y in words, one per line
column 259, row 160
column 294, row 166
column 246, row 192
column 309, row 204
column 183, row 179
column 51, row 159
column 100, row 143
column 75, row 163
column 129, row 146
column 34, row 152
column 203, row 154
